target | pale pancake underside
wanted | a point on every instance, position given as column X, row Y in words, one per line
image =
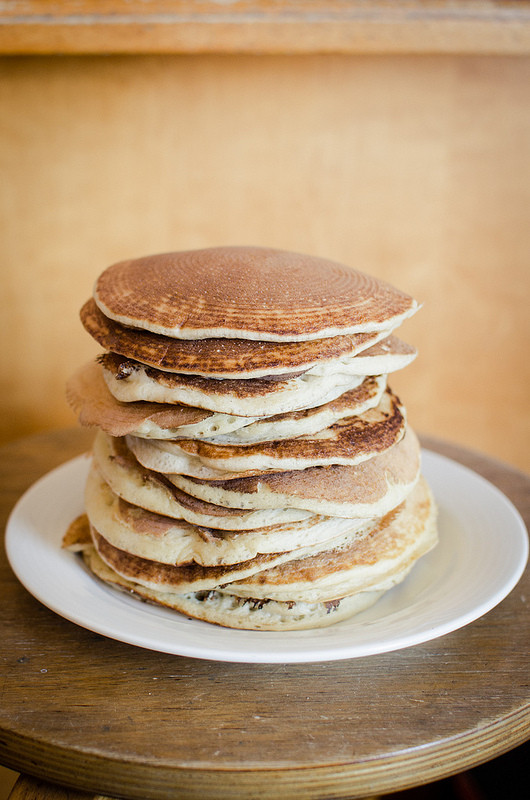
column 89, row 396
column 129, row 381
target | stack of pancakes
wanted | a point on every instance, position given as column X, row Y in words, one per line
column 252, row 467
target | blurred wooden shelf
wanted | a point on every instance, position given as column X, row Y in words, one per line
column 265, row 26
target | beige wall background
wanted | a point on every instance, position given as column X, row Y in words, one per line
column 413, row 168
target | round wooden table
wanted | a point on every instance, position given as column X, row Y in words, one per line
column 88, row 712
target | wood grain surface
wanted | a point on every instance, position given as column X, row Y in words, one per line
column 103, row 716
column 29, row 788
column 265, row 26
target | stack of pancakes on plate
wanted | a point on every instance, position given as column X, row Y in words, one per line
column 252, row 467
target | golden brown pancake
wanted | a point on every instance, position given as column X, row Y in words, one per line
column 154, row 492
column 368, row 489
column 220, row 358
column 386, row 552
column 193, row 577
column 306, row 421
column 130, row 381
column 222, row 608
column 349, row 441
column 314, row 574
column 247, row 293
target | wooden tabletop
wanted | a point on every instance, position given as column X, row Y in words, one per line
column 96, row 714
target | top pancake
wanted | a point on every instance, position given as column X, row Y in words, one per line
column 252, row 293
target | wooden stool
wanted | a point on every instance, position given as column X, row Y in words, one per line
column 106, row 717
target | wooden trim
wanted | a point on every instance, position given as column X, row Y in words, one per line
column 265, row 26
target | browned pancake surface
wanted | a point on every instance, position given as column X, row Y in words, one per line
column 385, row 540
column 259, row 292
column 215, row 356
column 336, row 483
column 121, row 368
column 373, row 432
column 122, row 455
column 137, row 568
column 388, row 539
column 88, row 395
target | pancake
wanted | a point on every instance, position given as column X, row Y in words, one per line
column 228, row 610
column 305, row 422
column 193, row 577
column 159, row 538
column 154, row 492
column 376, row 561
column 369, row 489
column 247, row 293
column 251, row 467
column 221, row 358
column 314, row 574
column 89, row 396
column 347, row 442
column 130, row 381
column 389, row 354
column 317, row 587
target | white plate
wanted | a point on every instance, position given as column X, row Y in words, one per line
column 481, row 555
